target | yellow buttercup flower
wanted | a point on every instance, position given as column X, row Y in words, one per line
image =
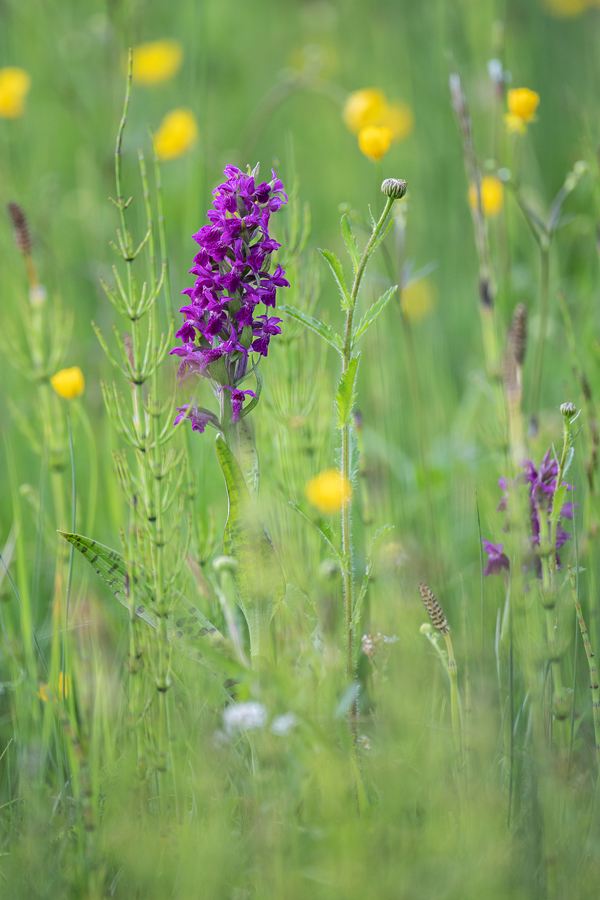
column 419, row 299
column 64, row 688
column 328, row 491
column 567, row 8
column 363, row 108
column 375, row 140
column 156, row 61
column 492, row 196
column 370, row 107
column 14, row 87
column 522, row 105
column 68, row 383
column 178, row 132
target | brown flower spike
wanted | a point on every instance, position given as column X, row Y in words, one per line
column 434, row 610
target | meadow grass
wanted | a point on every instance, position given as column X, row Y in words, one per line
column 264, row 688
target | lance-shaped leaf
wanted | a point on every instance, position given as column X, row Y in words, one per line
column 350, row 241
column 372, row 313
column 320, row 328
column 345, row 396
column 325, row 530
column 338, row 273
column 381, row 238
column 187, row 628
column 374, row 549
column 259, row 579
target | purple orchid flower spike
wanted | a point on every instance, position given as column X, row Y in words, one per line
column 541, row 484
column 228, row 313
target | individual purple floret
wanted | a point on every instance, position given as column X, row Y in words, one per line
column 198, row 417
column 237, row 401
column 541, row 485
column 223, row 320
column 497, row 560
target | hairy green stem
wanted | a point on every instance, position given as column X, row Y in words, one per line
column 348, row 575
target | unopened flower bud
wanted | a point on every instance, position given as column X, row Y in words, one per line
column 568, row 410
column 425, row 628
column 394, row 188
column 562, row 706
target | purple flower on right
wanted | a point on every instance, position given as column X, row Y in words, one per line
column 541, row 486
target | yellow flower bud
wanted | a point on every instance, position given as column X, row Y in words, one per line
column 374, row 141
column 156, row 61
column 364, row 108
column 14, row 87
column 328, row 491
column 523, row 102
column 178, row 132
column 419, row 299
column 492, row 196
column 68, row 383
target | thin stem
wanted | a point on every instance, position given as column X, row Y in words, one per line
column 539, row 356
column 593, row 673
column 454, row 707
column 121, row 205
column 348, row 575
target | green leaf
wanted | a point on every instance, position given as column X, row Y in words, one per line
column 320, row 328
column 570, row 455
column 259, row 579
column 187, row 628
column 338, row 273
column 259, row 385
column 248, row 456
column 557, row 502
column 350, row 241
column 345, row 396
column 372, row 313
column 378, row 539
column 324, row 529
column 384, row 233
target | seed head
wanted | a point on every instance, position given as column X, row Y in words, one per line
column 434, row 610
column 517, row 335
column 394, row 188
column 21, row 228
column 568, row 410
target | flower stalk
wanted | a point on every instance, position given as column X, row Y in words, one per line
column 595, row 687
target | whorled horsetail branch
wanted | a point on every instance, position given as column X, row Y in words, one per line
column 434, row 610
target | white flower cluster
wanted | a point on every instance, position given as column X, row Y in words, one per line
column 253, row 716
column 245, row 717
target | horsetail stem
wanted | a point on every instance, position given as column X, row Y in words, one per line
column 440, row 623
